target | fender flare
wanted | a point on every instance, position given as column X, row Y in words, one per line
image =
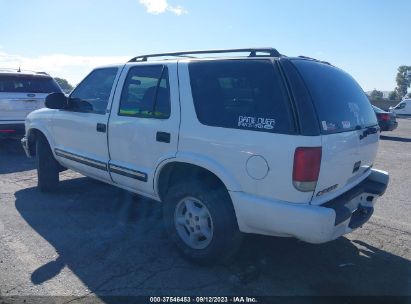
column 44, row 131
column 202, row 161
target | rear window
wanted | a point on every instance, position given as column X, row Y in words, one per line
column 340, row 102
column 378, row 110
column 27, row 84
column 240, row 94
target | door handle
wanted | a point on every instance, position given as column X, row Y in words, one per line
column 163, row 137
column 101, row 128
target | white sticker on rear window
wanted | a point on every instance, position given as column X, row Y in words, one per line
column 256, row 122
column 328, row 126
column 331, row 126
column 324, row 123
column 346, row 124
column 355, row 110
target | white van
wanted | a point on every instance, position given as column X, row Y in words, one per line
column 403, row 108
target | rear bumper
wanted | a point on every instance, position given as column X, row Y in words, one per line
column 11, row 129
column 388, row 125
column 313, row 224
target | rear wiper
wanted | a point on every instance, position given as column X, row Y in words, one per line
column 367, row 131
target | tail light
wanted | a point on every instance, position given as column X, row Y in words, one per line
column 385, row 117
column 7, row 131
column 307, row 162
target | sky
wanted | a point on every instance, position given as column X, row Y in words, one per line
column 369, row 39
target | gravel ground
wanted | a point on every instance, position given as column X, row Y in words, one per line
column 93, row 239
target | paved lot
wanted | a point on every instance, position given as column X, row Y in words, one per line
column 93, row 239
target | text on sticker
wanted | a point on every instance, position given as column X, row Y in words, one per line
column 256, row 122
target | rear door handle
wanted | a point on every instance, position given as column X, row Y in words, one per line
column 163, row 137
column 101, row 128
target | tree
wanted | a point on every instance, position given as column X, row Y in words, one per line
column 393, row 95
column 64, row 84
column 403, row 80
column 376, row 95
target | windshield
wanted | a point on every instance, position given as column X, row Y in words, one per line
column 340, row 102
column 28, row 84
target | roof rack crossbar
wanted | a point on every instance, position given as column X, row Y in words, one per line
column 253, row 53
column 11, row 70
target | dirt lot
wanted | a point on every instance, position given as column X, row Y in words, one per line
column 93, row 239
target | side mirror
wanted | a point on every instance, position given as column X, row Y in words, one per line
column 56, row 101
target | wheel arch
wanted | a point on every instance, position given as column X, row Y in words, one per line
column 174, row 170
column 32, row 134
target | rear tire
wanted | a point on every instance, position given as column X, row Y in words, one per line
column 201, row 222
column 47, row 166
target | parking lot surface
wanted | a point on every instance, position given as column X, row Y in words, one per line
column 94, row 239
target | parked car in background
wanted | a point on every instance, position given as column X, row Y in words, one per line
column 386, row 120
column 22, row 92
column 403, row 108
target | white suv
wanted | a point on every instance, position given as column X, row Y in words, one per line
column 261, row 143
column 20, row 93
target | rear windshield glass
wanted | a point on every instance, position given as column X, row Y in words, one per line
column 340, row 102
column 27, row 84
column 378, row 110
column 240, row 94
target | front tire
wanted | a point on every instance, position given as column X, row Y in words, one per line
column 47, row 166
column 201, row 222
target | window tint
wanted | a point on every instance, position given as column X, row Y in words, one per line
column 146, row 93
column 93, row 93
column 27, row 84
column 241, row 94
column 340, row 102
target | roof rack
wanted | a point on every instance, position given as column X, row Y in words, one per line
column 8, row 70
column 253, row 53
column 13, row 70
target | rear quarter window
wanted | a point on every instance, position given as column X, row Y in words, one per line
column 340, row 102
column 241, row 94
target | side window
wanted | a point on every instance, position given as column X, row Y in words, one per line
column 93, row 93
column 241, row 94
column 401, row 106
column 146, row 93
